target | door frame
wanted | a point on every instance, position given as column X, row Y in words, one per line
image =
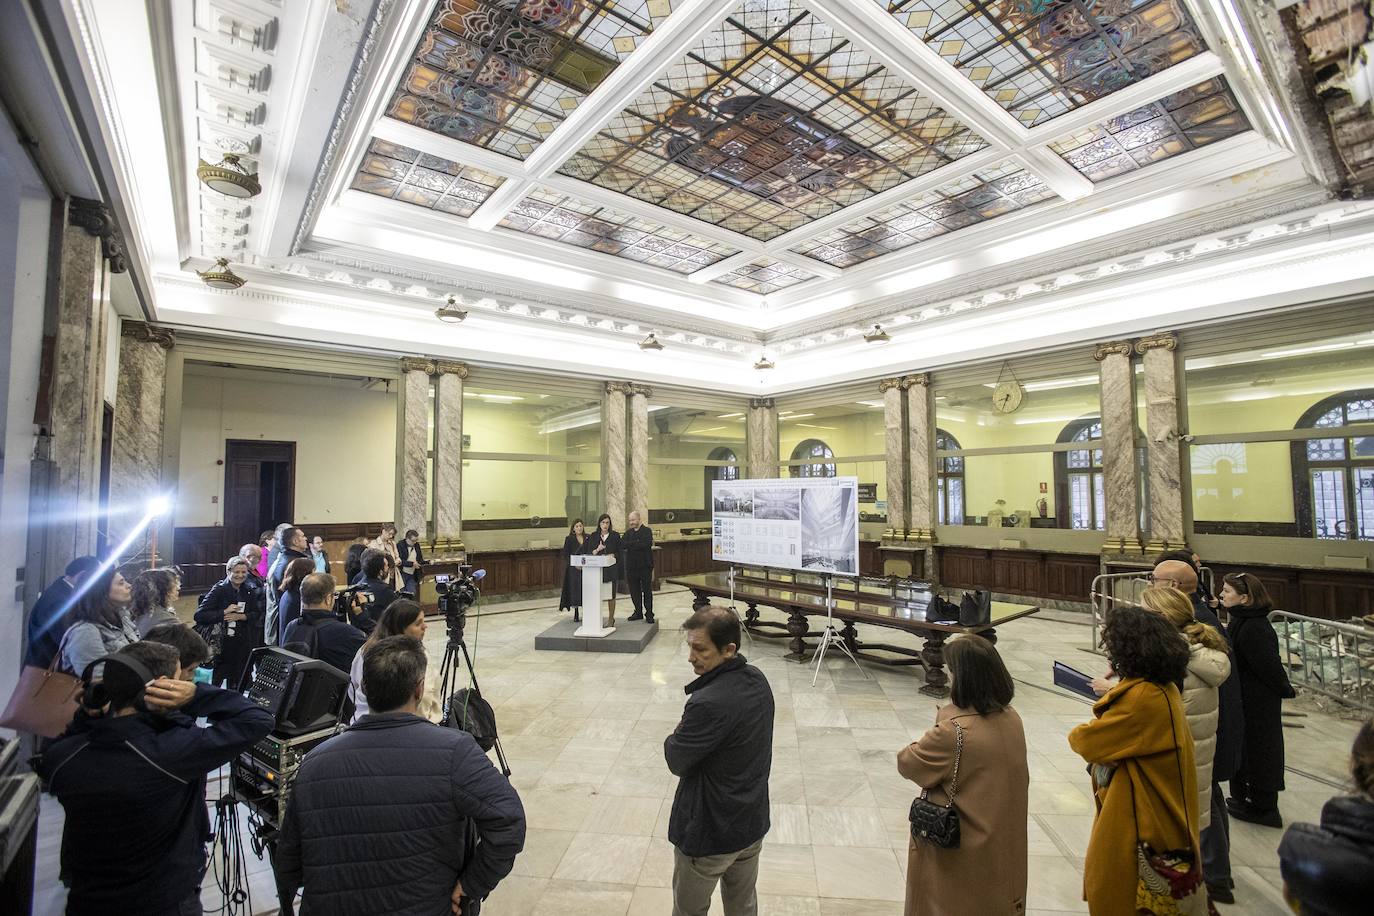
column 243, row 450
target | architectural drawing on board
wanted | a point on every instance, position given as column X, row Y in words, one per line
column 784, row 503
column 829, row 529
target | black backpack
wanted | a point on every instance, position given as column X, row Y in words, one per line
column 469, row 712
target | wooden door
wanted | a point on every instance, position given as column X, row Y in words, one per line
column 249, row 466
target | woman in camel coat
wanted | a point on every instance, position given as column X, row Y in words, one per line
column 986, row 873
column 1209, row 665
column 1140, row 753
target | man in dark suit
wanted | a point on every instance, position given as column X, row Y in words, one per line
column 48, row 620
column 638, row 546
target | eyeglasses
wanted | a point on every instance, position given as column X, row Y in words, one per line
column 1151, row 577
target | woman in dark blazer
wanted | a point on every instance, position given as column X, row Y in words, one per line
column 574, row 544
column 235, row 606
column 1258, row 664
column 605, row 541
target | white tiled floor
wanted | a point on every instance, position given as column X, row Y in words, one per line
column 584, row 733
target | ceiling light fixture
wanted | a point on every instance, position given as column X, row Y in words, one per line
column 230, row 177
column 877, row 335
column 764, row 362
column 651, row 343
column 220, row 276
column 450, row 313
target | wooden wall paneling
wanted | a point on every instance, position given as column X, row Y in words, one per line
column 1070, row 578
column 200, row 552
column 1336, row 596
column 870, row 559
column 964, row 567
column 1016, row 573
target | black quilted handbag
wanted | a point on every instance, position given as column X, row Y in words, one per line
column 936, row 824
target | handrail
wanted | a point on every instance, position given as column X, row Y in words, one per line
column 1106, row 592
column 1336, row 659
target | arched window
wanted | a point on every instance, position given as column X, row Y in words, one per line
column 816, row 449
column 949, row 482
column 1334, row 478
column 1080, row 498
column 720, row 471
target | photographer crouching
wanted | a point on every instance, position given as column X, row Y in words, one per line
column 130, row 775
column 397, row 814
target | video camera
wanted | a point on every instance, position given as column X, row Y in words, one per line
column 351, row 601
column 457, row 593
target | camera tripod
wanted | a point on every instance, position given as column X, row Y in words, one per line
column 448, row 671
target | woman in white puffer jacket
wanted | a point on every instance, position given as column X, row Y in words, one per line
column 1209, row 664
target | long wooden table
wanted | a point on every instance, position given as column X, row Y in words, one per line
column 900, row 607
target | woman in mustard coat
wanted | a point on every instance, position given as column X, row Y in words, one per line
column 1140, row 753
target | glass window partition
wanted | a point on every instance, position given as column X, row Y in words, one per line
column 838, row 440
column 689, row 447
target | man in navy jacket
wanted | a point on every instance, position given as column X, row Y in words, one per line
column 131, row 779
column 397, row 815
column 722, row 750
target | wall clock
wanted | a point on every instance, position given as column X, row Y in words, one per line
column 1007, row 394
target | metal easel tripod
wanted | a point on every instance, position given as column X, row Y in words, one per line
column 831, row 635
column 448, row 671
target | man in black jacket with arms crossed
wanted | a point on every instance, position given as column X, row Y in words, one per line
column 638, row 545
column 722, row 751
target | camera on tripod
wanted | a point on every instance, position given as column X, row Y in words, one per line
column 350, row 602
column 457, row 593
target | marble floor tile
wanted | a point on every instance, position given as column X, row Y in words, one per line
column 1055, row 884
column 544, row 849
column 620, row 815
column 787, row 870
column 789, row 824
column 846, row 826
column 831, row 906
column 582, row 898
column 603, row 857
column 859, row 873
column 517, row 895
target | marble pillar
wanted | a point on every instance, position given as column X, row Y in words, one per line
column 448, row 453
column 1162, row 424
column 613, row 492
column 1117, row 394
column 894, row 453
column 920, row 457
column 637, row 498
column 412, row 446
column 763, row 438
column 136, row 444
column 75, row 391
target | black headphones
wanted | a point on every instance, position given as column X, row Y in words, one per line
column 94, row 695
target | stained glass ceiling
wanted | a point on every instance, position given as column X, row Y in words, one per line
column 401, row 173
column 1041, row 58
column 774, row 119
column 505, row 73
column 765, row 276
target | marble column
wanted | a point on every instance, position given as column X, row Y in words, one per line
column 763, row 438
column 920, row 445
column 613, row 451
column 894, row 453
column 1117, row 394
column 412, row 446
column 448, row 453
column 637, row 499
column 75, row 389
column 138, row 431
column 1162, row 433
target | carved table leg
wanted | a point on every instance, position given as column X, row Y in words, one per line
column 751, row 615
column 933, row 658
column 850, row 636
column 989, row 634
column 700, row 600
column 797, row 628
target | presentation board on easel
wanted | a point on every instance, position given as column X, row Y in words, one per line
column 802, row 523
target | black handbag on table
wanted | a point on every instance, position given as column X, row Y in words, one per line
column 976, row 609
column 935, row 824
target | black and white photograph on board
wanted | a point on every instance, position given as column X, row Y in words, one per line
column 777, row 503
column 829, row 530
column 733, row 501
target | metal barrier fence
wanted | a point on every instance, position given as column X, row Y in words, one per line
column 1111, row 589
column 1337, row 659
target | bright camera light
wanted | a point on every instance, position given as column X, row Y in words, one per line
column 159, row 505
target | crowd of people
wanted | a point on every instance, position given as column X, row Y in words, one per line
column 397, row 815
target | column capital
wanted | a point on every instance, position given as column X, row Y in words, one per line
column 889, row 384
column 1163, row 341
column 417, row 364
column 450, row 367
column 760, row 403
column 622, row 387
column 147, row 333
column 1112, row 348
column 919, row 378
column 643, row 390
column 96, row 219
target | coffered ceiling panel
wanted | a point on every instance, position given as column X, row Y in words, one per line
column 585, row 225
column 765, row 276
column 1041, row 58
column 401, row 173
column 503, row 74
column 772, row 120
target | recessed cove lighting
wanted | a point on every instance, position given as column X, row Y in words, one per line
column 450, row 313
column 230, row 177
column 220, row 276
column 1301, row 351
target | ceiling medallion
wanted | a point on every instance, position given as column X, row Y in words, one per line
column 229, row 177
column 220, row 276
column 651, row 343
column 877, row 335
column 450, row 313
column 764, row 362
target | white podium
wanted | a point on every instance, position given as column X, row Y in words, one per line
column 594, row 592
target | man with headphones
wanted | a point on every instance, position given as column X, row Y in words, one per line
column 130, row 774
